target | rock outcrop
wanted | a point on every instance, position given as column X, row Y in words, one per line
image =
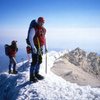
column 89, row 62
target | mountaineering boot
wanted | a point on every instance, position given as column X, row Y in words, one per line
column 15, row 72
column 38, row 76
column 9, row 71
column 33, row 78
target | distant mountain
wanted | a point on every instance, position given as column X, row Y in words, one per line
column 89, row 62
column 3, row 59
column 78, row 66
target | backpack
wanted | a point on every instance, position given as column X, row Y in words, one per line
column 33, row 24
column 7, row 48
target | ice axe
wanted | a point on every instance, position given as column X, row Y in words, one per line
column 46, row 59
column 45, row 55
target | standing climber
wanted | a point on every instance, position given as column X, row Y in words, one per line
column 36, row 40
column 10, row 51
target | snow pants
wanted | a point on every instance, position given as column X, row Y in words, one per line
column 35, row 64
column 12, row 62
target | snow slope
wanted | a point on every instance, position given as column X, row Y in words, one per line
column 17, row 87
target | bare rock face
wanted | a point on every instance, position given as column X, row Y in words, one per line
column 93, row 61
column 88, row 62
column 76, row 56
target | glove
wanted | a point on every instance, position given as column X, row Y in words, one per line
column 34, row 50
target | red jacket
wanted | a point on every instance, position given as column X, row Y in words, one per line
column 12, row 51
column 40, row 33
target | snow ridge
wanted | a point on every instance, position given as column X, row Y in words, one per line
column 17, row 87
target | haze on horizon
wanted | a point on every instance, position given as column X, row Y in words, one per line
column 69, row 23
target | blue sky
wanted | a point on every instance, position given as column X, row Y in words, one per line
column 69, row 23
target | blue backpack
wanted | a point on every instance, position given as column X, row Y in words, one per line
column 7, row 49
column 33, row 24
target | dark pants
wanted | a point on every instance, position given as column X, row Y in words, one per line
column 35, row 65
column 12, row 62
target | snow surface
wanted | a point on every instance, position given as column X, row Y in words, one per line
column 53, row 87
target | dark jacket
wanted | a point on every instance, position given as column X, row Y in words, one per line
column 13, row 50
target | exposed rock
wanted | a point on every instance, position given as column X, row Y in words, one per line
column 76, row 56
column 88, row 62
column 93, row 61
column 63, row 68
